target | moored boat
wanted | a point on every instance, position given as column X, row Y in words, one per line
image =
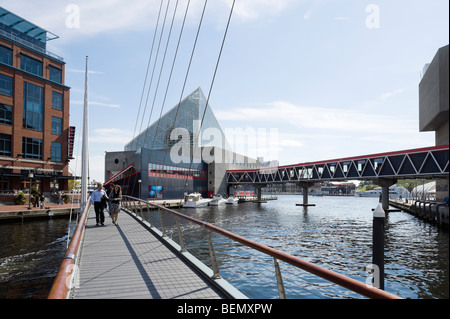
column 232, row 200
column 195, row 200
column 217, row 200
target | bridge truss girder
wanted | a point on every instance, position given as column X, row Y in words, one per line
column 424, row 163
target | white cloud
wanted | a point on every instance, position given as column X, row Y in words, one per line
column 111, row 105
column 110, row 136
column 326, row 119
column 256, row 9
column 83, row 71
column 107, row 16
column 388, row 95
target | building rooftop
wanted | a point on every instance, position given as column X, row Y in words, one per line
column 17, row 23
column 25, row 33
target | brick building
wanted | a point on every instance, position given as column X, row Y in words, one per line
column 34, row 109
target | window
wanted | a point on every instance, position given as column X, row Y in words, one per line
column 33, row 101
column 30, row 65
column 5, row 144
column 56, row 152
column 5, row 55
column 56, row 125
column 5, row 114
column 57, row 100
column 55, row 74
column 6, row 85
column 31, row 148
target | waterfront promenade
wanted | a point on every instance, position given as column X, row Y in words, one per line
column 19, row 212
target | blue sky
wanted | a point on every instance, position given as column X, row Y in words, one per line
column 332, row 78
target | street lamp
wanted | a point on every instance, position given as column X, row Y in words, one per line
column 30, row 176
column 139, row 181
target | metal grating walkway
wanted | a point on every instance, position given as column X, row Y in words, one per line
column 127, row 261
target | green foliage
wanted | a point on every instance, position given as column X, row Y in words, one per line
column 20, row 198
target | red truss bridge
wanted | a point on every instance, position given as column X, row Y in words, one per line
column 424, row 163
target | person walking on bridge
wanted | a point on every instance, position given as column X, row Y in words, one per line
column 99, row 198
column 115, row 196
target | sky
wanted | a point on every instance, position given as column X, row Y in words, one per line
column 305, row 80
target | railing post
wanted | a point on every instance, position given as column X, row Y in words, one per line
column 163, row 229
column 180, row 236
column 134, row 205
column 149, row 216
column 215, row 267
column 140, row 209
column 281, row 291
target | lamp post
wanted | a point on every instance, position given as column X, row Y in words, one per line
column 30, row 176
column 139, row 182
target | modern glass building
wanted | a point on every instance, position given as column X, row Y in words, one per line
column 188, row 116
column 184, row 151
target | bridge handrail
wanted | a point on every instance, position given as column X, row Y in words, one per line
column 344, row 281
column 61, row 283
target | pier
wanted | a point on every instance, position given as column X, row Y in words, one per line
column 433, row 212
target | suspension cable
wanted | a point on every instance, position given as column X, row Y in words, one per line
column 148, row 68
column 159, row 79
column 154, row 67
column 188, row 71
column 210, row 90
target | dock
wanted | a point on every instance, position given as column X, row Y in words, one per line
column 430, row 211
column 128, row 261
column 21, row 212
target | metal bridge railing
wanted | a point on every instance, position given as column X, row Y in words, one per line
column 266, row 253
column 63, row 279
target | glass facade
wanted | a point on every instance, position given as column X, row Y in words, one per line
column 6, row 85
column 56, row 152
column 55, row 74
column 5, row 144
column 33, row 104
column 57, row 100
column 187, row 117
column 56, row 125
column 5, row 55
column 157, row 170
column 163, row 176
column 31, row 148
column 31, row 65
column 5, row 114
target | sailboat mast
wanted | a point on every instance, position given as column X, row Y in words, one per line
column 85, row 141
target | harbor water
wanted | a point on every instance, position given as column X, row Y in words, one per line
column 335, row 234
column 30, row 255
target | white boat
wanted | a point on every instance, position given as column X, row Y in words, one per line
column 217, row 200
column 195, row 200
column 232, row 200
column 394, row 192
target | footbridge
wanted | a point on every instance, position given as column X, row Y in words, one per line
column 147, row 256
column 383, row 168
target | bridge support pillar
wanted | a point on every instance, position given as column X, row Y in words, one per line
column 259, row 193
column 305, row 186
column 385, row 184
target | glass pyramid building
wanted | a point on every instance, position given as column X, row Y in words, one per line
column 186, row 116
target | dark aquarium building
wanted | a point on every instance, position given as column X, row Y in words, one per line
column 183, row 152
